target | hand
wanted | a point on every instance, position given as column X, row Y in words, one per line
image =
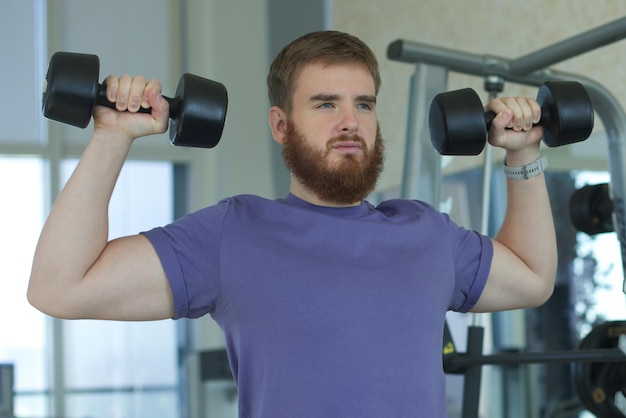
column 512, row 128
column 129, row 94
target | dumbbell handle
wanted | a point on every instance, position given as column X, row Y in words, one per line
column 102, row 100
column 490, row 115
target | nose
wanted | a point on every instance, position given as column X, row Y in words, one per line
column 348, row 122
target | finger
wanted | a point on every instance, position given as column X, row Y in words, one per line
column 536, row 110
column 514, row 105
column 153, row 84
column 503, row 115
column 123, row 92
column 532, row 112
column 112, row 85
column 160, row 108
column 135, row 95
column 526, row 113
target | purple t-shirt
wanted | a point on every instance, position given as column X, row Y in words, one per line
column 327, row 312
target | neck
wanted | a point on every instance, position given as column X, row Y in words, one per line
column 303, row 193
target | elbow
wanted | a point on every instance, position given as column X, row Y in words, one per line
column 544, row 282
column 543, row 294
column 44, row 300
column 32, row 293
column 38, row 293
column 548, row 280
column 36, row 297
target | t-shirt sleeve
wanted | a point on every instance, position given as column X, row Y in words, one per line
column 466, row 255
column 189, row 250
column 473, row 263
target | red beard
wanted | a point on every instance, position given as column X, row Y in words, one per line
column 350, row 181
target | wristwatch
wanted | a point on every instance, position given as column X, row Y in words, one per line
column 526, row 171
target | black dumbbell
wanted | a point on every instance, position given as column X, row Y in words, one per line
column 458, row 122
column 72, row 91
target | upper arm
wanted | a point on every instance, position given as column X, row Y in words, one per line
column 511, row 284
column 127, row 282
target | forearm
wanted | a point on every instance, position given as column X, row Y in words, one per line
column 528, row 228
column 524, row 262
column 76, row 231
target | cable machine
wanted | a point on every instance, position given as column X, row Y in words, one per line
column 422, row 173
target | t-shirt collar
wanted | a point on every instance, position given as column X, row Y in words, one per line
column 347, row 211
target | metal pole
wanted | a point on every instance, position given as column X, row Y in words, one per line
column 421, row 177
column 453, row 60
column 571, row 47
column 600, row 355
column 471, row 385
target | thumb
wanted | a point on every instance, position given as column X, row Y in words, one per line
column 160, row 108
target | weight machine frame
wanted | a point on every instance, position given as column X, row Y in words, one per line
column 422, row 173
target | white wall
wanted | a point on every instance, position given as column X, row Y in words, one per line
column 227, row 39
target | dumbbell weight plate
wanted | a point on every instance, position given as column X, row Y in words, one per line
column 611, row 383
column 595, row 382
column 591, row 209
column 201, row 117
column 570, row 122
column 457, row 123
column 70, row 88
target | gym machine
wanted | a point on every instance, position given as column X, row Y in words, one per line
column 422, row 175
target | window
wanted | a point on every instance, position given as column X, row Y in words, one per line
column 23, row 328
column 111, row 369
column 76, row 368
column 125, row 369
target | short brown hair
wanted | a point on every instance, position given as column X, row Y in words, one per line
column 326, row 47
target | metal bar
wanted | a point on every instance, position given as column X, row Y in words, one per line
column 471, row 384
column 571, row 47
column 599, row 355
column 421, row 177
column 488, row 168
column 416, row 52
column 469, row 63
column 453, row 60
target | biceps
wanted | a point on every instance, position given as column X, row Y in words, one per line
column 511, row 284
column 127, row 282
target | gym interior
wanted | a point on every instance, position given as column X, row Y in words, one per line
column 560, row 360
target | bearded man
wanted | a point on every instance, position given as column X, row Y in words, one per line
column 331, row 306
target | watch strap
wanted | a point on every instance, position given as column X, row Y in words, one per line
column 526, row 171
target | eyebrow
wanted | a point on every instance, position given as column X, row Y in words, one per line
column 332, row 97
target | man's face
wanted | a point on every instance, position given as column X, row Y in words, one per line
column 341, row 181
column 332, row 142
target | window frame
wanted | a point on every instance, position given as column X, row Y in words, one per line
column 52, row 151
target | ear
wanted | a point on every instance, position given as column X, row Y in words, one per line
column 278, row 124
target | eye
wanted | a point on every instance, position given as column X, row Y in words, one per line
column 326, row 105
column 365, row 106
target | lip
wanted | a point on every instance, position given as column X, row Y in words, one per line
column 348, row 147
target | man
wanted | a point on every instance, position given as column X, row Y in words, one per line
column 331, row 307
